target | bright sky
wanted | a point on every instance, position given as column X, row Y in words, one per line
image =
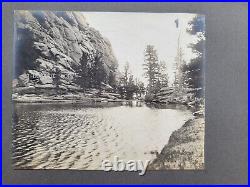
column 129, row 33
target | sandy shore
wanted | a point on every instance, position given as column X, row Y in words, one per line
column 185, row 149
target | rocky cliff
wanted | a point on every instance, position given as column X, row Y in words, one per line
column 47, row 42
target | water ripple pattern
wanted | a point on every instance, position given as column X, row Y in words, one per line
column 76, row 136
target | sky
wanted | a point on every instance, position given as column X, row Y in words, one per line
column 130, row 33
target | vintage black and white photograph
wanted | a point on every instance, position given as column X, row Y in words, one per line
column 108, row 91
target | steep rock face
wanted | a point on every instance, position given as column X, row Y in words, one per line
column 46, row 41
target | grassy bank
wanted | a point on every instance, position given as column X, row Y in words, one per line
column 185, row 149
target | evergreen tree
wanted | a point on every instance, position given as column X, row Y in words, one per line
column 56, row 78
column 126, row 74
column 140, row 88
column 163, row 75
column 91, row 73
column 128, row 85
column 99, row 72
column 179, row 64
column 194, row 70
column 83, row 73
column 123, row 83
column 112, row 80
column 151, row 68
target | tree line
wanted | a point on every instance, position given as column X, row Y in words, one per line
column 128, row 86
column 155, row 72
column 188, row 76
column 91, row 73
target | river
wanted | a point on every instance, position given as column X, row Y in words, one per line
column 80, row 136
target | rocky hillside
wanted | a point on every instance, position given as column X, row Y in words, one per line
column 185, row 148
column 47, row 42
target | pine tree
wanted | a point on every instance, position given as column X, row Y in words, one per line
column 163, row 75
column 83, row 73
column 56, row 78
column 98, row 71
column 151, row 68
column 141, row 88
column 131, row 87
column 126, row 74
column 194, row 70
column 179, row 63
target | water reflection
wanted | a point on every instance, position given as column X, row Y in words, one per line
column 80, row 136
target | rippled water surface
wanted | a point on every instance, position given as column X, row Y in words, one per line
column 80, row 136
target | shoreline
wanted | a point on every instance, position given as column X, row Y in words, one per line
column 74, row 98
column 185, row 148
